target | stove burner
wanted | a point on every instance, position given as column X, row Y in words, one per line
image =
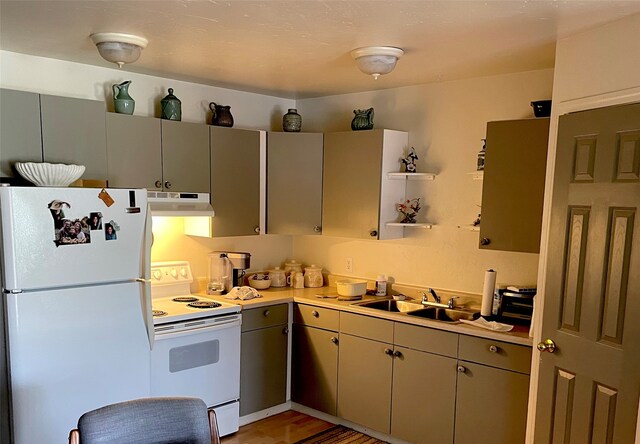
column 157, row 313
column 185, row 299
column 204, row 304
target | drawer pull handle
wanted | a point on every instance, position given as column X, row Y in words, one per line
column 334, row 339
column 315, row 314
column 388, row 351
column 493, row 349
column 462, row 369
column 266, row 313
column 397, row 354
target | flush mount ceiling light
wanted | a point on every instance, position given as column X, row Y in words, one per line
column 119, row 48
column 376, row 60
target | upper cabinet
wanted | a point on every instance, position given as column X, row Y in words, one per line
column 175, row 154
column 74, row 132
column 20, row 135
column 294, row 183
column 358, row 196
column 235, row 181
column 513, row 188
column 37, row 128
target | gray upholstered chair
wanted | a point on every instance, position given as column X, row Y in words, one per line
column 148, row 421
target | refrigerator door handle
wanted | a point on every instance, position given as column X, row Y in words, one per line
column 145, row 302
column 146, row 276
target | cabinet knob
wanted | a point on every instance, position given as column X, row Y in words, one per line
column 158, row 184
column 485, row 241
column 257, row 230
column 397, row 354
column 167, row 185
column 285, row 331
column 266, row 313
column 317, row 229
column 334, row 339
column 373, row 233
column 315, row 314
column 388, row 351
column 462, row 369
column 493, row 349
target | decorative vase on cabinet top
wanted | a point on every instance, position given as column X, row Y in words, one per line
column 292, row 121
column 221, row 115
column 122, row 101
column 363, row 119
column 171, row 107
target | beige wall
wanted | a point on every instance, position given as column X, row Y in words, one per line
column 445, row 122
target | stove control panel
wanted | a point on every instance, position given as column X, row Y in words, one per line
column 166, row 273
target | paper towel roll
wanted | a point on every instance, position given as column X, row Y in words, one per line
column 487, row 292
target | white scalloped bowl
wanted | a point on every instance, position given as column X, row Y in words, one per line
column 50, row 174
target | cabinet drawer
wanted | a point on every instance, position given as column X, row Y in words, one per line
column 264, row 317
column 426, row 339
column 316, row 317
column 495, row 353
column 367, row 327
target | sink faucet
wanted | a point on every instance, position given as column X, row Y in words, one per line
column 437, row 301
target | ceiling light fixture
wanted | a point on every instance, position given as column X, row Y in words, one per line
column 119, row 48
column 376, row 60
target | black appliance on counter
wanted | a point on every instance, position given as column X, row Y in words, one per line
column 514, row 305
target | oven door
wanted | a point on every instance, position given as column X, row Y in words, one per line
column 198, row 362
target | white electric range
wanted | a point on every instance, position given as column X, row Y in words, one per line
column 197, row 344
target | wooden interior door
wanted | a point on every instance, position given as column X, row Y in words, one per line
column 589, row 386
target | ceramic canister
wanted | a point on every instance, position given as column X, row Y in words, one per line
column 313, row 276
column 278, row 277
column 171, row 107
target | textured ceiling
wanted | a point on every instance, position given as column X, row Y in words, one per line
column 300, row 48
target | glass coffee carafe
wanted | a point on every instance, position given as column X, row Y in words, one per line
column 220, row 273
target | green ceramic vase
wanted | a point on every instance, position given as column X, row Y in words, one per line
column 122, row 101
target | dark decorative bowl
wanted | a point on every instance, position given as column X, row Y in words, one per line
column 541, row 108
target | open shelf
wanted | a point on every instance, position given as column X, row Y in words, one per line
column 412, row 176
column 470, row 227
column 416, row 225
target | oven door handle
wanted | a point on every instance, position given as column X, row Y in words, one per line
column 193, row 327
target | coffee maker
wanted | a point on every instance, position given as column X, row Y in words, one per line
column 239, row 262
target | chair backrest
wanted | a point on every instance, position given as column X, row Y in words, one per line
column 148, row 421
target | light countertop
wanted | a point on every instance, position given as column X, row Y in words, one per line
column 519, row 335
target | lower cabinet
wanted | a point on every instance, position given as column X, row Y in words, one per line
column 314, row 373
column 263, row 358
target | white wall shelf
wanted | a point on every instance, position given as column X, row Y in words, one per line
column 470, row 227
column 411, row 176
column 477, row 175
column 421, row 225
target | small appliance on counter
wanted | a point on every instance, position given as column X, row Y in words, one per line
column 228, row 267
column 514, row 304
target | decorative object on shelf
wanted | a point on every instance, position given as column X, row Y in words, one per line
column 171, row 107
column 363, row 119
column 409, row 210
column 410, row 161
column 119, row 48
column 292, row 121
column 45, row 174
column 541, row 108
column 476, row 223
column 122, row 101
column 376, row 60
column 221, row 115
column 481, row 154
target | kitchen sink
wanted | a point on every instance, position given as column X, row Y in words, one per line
column 444, row 314
column 390, row 305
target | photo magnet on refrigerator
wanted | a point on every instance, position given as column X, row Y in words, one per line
column 68, row 231
column 110, row 229
column 95, row 221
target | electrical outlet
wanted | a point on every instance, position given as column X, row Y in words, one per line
column 348, row 266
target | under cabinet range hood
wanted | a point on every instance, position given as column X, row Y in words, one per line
column 169, row 203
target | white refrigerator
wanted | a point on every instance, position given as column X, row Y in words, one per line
column 76, row 305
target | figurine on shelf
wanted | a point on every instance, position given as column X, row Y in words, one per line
column 410, row 161
column 409, row 210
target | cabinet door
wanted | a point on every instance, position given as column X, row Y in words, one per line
column 364, row 382
column 263, row 369
column 423, row 412
column 513, row 185
column 185, row 156
column 235, row 181
column 491, row 405
column 294, row 183
column 74, row 132
column 351, row 183
column 133, row 142
column 314, row 373
column 20, row 133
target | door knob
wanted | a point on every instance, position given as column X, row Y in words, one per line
column 547, row 346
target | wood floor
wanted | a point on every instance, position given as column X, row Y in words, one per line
column 285, row 428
